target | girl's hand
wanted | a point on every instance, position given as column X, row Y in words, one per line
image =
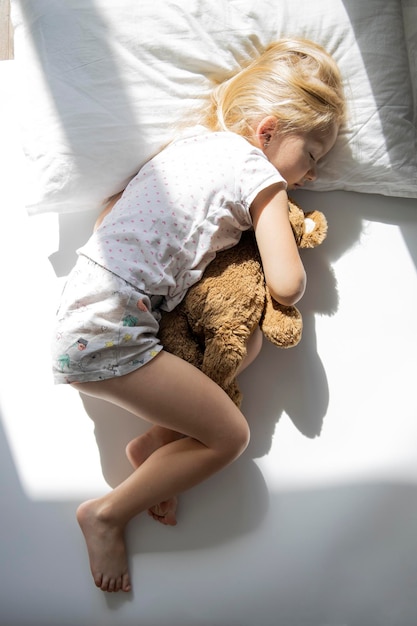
column 284, row 272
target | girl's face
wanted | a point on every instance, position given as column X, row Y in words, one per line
column 295, row 155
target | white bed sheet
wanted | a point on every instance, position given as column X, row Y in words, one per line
column 314, row 526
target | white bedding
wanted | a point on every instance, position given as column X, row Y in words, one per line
column 316, row 524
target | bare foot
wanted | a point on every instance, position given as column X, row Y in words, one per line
column 165, row 512
column 106, row 548
column 138, row 450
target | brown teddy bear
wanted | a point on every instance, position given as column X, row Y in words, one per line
column 211, row 326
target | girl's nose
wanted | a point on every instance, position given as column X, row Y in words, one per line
column 311, row 174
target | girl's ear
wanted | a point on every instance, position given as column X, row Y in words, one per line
column 265, row 130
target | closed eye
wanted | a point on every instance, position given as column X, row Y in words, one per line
column 311, row 156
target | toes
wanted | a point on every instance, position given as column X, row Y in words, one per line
column 170, row 519
column 125, row 583
column 98, row 580
column 104, row 583
column 164, row 512
column 113, row 584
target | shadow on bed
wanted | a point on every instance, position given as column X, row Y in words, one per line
column 297, row 382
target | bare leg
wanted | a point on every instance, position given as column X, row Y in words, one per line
column 175, row 395
column 138, row 450
column 253, row 347
column 141, row 447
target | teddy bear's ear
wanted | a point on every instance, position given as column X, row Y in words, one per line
column 315, row 229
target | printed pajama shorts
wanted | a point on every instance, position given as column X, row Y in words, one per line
column 105, row 327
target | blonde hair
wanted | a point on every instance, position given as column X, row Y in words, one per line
column 294, row 80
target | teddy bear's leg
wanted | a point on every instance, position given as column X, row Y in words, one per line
column 176, row 337
column 224, row 352
column 221, row 363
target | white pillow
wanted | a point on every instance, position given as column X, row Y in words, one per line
column 102, row 83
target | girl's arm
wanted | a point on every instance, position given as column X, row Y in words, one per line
column 283, row 269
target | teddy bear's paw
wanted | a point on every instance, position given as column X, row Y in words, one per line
column 282, row 325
